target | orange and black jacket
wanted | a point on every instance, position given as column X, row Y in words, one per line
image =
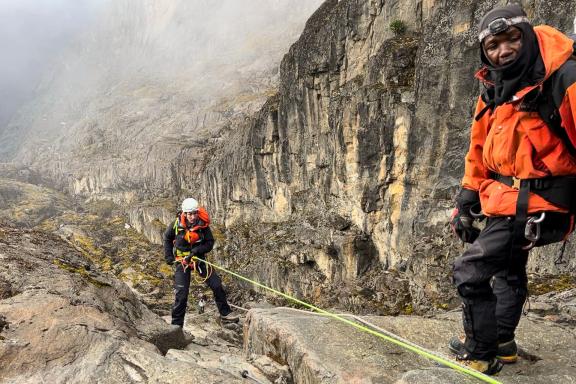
column 175, row 238
column 511, row 142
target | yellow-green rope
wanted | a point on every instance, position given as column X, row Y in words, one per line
column 418, row 350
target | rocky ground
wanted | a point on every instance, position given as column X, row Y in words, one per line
column 64, row 320
column 85, row 298
column 323, row 350
column 95, row 228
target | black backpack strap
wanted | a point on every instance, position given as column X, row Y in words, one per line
column 488, row 99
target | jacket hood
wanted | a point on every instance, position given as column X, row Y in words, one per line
column 555, row 49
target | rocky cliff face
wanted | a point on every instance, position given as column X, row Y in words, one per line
column 346, row 171
column 368, row 129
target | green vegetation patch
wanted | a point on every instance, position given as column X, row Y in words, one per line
column 88, row 248
column 539, row 285
column 79, row 271
column 398, row 27
column 28, row 205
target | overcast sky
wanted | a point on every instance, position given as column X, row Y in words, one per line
column 35, row 33
column 32, row 34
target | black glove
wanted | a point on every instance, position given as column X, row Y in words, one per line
column 170, row 262
column 462, row 220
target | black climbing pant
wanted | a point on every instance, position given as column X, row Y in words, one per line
column 491, row 280
column 182, row 286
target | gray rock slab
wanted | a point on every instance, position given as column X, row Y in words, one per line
column 323, row 350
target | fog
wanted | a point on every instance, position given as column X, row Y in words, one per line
column 78, row 39
column 33, row 33
column 205, row 40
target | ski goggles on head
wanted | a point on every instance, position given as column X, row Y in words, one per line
column 501, row 24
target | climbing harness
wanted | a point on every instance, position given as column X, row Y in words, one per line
column 198, row 274
column 195, row 268
column 388, row 336
column 185, row 238
column 186, row 263
column 476, row 212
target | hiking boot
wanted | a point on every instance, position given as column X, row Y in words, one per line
column 507, row 352
column 230, row 318
column 491, row 367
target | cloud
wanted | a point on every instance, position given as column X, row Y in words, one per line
column 32, row 35
column 75, row 51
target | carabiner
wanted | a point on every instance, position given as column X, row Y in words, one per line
column 532, row 230
column 477, row 215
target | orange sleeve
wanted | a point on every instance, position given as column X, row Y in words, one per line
column 568, row 113
column 475, row 172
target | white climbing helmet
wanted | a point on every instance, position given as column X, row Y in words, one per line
column 189, row 205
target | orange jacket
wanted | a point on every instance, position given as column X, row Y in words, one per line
column 515, row 143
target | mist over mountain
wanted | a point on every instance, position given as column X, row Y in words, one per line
column 33, row 33
column 192, row 52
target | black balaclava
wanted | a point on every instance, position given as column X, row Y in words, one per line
column 527, row 69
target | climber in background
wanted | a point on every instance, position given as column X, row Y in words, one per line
column 519, row 173
column 189, row 236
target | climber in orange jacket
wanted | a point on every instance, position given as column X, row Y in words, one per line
column 519, row 173
column 186, row 243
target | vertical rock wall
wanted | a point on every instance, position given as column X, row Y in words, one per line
column 372, row 128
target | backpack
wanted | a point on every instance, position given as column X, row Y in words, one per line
column 548, row 110
column 191, row 234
